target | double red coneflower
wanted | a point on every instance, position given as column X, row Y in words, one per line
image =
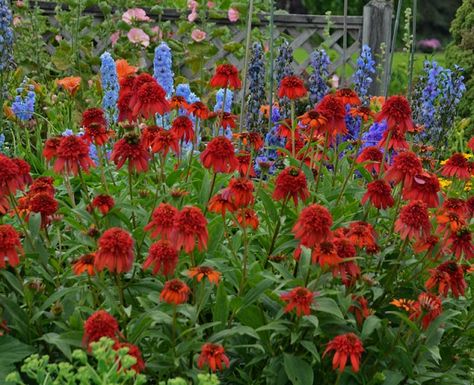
column 299, row 298
column 10, row 246
column 291, row 183
column 346, row 347
column 226, row 76
column 213, row 356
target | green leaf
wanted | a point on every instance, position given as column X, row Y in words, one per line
column 255, row 293
column 328, row 305
column 392, row 377
column 298, row 371
column 13, row 350
column 220, row 311
column 371, row 323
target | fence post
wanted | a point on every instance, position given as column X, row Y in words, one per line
column 377, row 30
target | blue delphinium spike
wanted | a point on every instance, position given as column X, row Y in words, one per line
column 110, row 87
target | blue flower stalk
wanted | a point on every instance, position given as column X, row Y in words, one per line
column 257, row 96
column 184, row 91
column 318, row 80
column 363, row 76
column 110, row 87
column 6, row 37
column 227, row 108
column 162, row 68
column 284, row 68
column 24, row 104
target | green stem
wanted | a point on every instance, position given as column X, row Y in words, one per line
column 130, row 191
column 323, row 155
column 213, row 183
column 293, row 129
column 275, row 233
column 245, row 259
column 412, row 53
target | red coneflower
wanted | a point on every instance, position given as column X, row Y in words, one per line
column 149, row 98
column 130, row 149
column 362, row 234
column 348, row 96
column 226, row 76
column 182, row 126
column 470, row 206
column 201, row 272
column 346, row 346
column 428, row 307
column 227, row 120
column 213, row 355
column 198, row 110
column 220, row 204
column 413, row 221
column 360, row 308
column 84, row 264
column 345, row 248
column 175, row 292
column 348, row 271
column 379, row 193
column 457, row 166
column 449, row 220
column 133, row 351
column 72, row 155
column 404, row 167
column 397, row 112
column 247, row 217
column 123, row 104
column 428, row 245
column 325, row 254
column 24, row 176
column 292, row 87
column 164, row 141
column 313, row 120
column 220, row 155
column 365, row 113
column 45, row 204
column 460, row 243
column 177, row 102
column 372, row 158
column 9, row 180
column 239, row 192
column 104, row 203
column 447, row 276
column 162, row 221
column 149, row 134
column 42, row 184
column 244, row 158
column 396, row 139
column 10, row 246
column 470, row 144
column 455, row 205
column 299, row 298
column 291, row 183
column 424, row 187
column 95, row 126
column 334, row 111
column 252, row 139
column 51, row 147
column 115, row 251
column 162, row 257
column 98, row 325
column 190, row 226
column 313, row 225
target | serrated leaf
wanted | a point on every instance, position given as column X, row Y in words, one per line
column 298, row 371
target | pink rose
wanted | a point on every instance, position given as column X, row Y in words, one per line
column 198, row 35
column 211, row 4
column 192, row 4
column 192, row 16
column 138, row 36
column 114, row 37
column 135, row 14
column 233, row 15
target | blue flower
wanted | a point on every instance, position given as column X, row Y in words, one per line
column 110, row 87
column 6, row 36
column 162, row 68
column 283, row 62
column 257, row 97
column 318, row 87
column 363, row 76
column 24, row 104
column 374, row 135
column 2, row 141
column 220, row 99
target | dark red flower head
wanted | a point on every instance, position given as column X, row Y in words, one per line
column 346, row 346
column 292, row 87
column 240, row 192
column 362, row 234
column 313, row 225
column 413, row 221
column 148, row 98
column 213, row 356
column 325, row 254
column 424, row 187
column 177, row 102
column 162, row 221
column 460, row 243
column 457, row 167
column 198, row 110
column 397, row 112
column 24, row 176
column 372, row 158
column 163, row 257
column 247, row 217
column 72, row 155
column 226, row 76
column 45, row 204
column 103, row 203
column 183, row 128
column 50, row 147
column 428, row 307
column 404, row 167
column 10, row 246
column 130, row 148
column 379, row 194
column 149, row 134
column 175, row 292
column 133, row 351
column 220, row 155
column 299, row 298
column 10, row 180
column 245, row 167
column 164, row 141
column 93, row 117
column 221, row 203
column 115, row 251
column 98, row 325
column 447, row 276
column 348, row 96
column 42, row 184
column 332, row 108
column 190, row 226
column 291, row 183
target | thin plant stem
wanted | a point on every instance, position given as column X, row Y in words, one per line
column 276, row 231
column 293, row 129
column 245, row 259
column 270, row 96
column 388, row 74
column 412, row 52
column 246, row 64
column 318, row 175
column 67, row 183
column 213, row 183
column 130, row 191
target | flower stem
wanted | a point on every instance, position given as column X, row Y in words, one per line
column 245, row 259
column 293, row 129
column 275, row 233
column 213, row 183
column 130, row 190
column 323, row 155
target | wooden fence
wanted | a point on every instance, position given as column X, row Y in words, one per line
column 303, row 31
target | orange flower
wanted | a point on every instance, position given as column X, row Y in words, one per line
column 175, row 291
column 405, row 304
column 85, row 264
column 312, row 119
column 124, row 70
column 346, row 346
column 201, row 272
column 70, row 84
